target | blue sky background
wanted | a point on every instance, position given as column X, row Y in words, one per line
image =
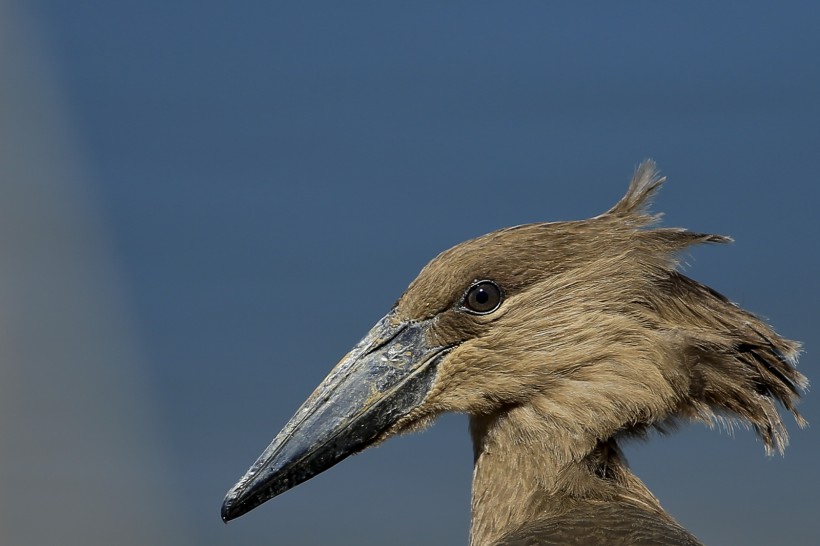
column 260, row 181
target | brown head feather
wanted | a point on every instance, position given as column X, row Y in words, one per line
column 599, row 333
column 633, row 206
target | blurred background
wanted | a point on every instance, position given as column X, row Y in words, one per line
column 204, row 205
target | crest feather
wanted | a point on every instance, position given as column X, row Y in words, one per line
column 644, row 184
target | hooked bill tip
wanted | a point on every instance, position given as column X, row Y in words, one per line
column 226, row 511
column 234, row 506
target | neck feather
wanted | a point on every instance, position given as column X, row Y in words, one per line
column 528, row 469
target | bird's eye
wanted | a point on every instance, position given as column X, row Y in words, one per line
column 483, row 297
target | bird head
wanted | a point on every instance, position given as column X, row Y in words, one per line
column 587, row 325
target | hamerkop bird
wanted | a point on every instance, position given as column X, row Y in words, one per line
column 558, row 340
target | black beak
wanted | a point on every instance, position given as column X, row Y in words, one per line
column 381, row 380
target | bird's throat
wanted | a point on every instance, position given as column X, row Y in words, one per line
column 528, row 469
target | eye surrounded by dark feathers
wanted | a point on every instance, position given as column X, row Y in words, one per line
column 483, row 297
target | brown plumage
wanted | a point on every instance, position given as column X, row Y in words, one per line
column 595, row 337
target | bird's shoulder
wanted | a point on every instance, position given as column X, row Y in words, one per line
column 591, row 524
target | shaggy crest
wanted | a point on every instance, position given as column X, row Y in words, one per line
column 738, row 366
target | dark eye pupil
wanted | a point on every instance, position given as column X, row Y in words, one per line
column 483, row 297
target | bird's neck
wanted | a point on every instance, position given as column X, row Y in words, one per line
column 527, row 468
